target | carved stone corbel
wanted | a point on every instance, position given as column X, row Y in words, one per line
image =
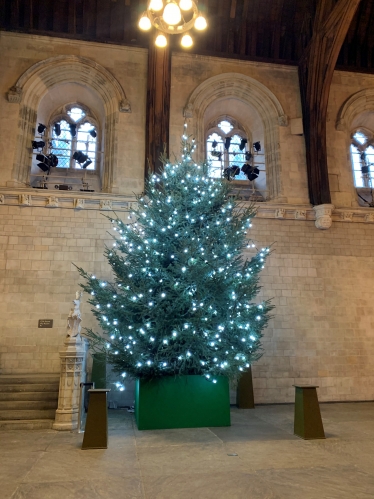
column 323, row 216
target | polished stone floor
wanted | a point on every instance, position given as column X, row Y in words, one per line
column 258, row 457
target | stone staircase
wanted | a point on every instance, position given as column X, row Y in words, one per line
column 28, row 401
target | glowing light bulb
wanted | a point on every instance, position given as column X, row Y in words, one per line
column 161, row 41
column 185, row 4
column 200, row 23
column 172, row 14
column 145, row 23
column 156, row 5
column 186, row 41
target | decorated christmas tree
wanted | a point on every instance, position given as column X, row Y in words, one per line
column 181, row 300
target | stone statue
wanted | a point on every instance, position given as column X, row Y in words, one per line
column 74, row 317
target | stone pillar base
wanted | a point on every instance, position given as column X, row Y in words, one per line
column 66, row 420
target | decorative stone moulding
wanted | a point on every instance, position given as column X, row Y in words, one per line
column 79, row 204
column 356, row 104
column 300, row 215
column 369, row 218
column 323, row 216
column 52, row 202
column 280, row 213
column 106, row 204
column 25, row 200
column 2, row 199
column 347, row 216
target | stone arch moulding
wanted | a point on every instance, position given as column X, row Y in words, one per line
column 257, row 95
column 356, row 104
column 35, row 83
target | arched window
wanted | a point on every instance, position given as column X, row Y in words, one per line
column 231, row 154
column 68, row 144
column 362, row 155
column 73, row 139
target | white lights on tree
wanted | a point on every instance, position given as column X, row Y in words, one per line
column 172, row 14
column 156, row 5
column 186, row 41
column 145, row 23
column 200, row 23
column 185, row 4
column 161, row 41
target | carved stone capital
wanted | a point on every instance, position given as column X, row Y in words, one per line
column 323, row 216
column 340, row 125
column 14, row 95
column 125, row 106
column 188, row 111
column 283, row 120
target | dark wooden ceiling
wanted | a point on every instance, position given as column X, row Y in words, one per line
column 264, row 30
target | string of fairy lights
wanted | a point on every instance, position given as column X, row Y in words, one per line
column 181, row 299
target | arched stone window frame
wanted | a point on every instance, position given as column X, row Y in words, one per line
column 257, row 95
column 35, row 83
column 356, row 105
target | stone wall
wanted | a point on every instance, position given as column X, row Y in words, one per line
column 320, row 281
column 39, row 248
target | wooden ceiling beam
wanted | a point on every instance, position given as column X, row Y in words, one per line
column 316, row 70
column 158, row 105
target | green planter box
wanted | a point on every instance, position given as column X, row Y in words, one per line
column 182, row 402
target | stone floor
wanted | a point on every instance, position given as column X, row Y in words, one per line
column 258, row 457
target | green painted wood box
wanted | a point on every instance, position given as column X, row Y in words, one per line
column 182, row 402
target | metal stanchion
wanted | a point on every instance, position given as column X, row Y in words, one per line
column 81, row 403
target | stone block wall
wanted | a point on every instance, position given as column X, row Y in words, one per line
column 322, row 333
column 39, row 248
column 320, row 281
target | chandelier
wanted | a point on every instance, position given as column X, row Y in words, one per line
column 173, row 17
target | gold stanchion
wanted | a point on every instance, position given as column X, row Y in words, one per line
column 308, row 422
column 96, row 430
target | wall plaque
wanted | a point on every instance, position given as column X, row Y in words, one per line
column 45, row 323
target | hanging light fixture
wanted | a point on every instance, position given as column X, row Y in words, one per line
column 172, row 17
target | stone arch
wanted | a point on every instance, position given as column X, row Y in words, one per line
column 356, row 104
column 42, row 76
column 257, row 95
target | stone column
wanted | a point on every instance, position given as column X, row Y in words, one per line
column 72, row 357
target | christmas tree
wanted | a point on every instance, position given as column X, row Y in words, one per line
column 181, row 299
